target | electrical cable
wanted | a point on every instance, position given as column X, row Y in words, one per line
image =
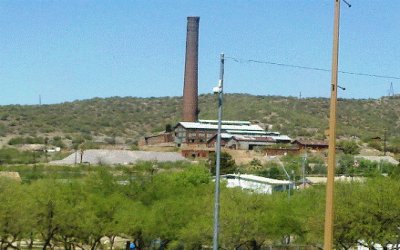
column 240, row 60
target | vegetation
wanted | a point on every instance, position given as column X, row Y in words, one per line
column 169, row 206
column 26, row 140
column 174, row 210
column 227, row 163
column 15, row 156
column 314, row 165
column 349, row 147
column 125, row 120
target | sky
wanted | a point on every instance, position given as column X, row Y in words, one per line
column 68, row 50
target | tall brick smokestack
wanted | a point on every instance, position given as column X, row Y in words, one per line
column 190, row 104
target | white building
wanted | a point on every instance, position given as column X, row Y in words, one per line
column 256, row 184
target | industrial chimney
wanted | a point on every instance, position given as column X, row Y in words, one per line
column 190, row 105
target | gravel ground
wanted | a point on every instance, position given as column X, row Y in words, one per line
column 101, row 156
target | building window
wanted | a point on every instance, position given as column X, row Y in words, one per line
column 192, row 135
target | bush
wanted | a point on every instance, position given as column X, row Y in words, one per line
column 16, row 141
column 375, row 144
column 255, row 162
column 3, row 130
column 346, row 163
column 227, row 164
column 57, row 142
column 14, row 156
column 110, row 140
column 319, row 169
column 349, row 147
column 271, row 172
column 26, row 140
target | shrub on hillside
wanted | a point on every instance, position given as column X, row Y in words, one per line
column 375, row 144
column 349, row 147
column 3, row 130
column 14, row 156
column 26, row 140
column 227, row 164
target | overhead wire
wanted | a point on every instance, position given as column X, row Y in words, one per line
column 240, row 60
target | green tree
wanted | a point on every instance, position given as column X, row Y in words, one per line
column 376, row 214
column 227, row 163
column 309, row 205
column 48, row 203
column 349, row 147
column 345, row 165
column 16, row 220
column 181, row 192
column 72, row 213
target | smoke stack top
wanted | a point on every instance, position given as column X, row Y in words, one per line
column 190, row 88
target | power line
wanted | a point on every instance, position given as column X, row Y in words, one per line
column 240, row 60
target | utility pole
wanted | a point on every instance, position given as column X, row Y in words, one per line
column 329, row 209
column 385, row 143
column 303, row 165
column 218, row 90
column 391, row 90
column 288, row 176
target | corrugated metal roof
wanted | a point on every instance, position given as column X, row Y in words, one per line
column 246, row 132
column 253, row 139
column 226, row 122
column 311, row 142
column 273, row 133
column 260, row 179
column 281, row 138
column 197, row 125
column 225, row 135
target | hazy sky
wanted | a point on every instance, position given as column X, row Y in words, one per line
column 68, row 50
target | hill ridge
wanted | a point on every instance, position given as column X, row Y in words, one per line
column 133, row 117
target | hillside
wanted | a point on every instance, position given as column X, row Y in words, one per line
column 130, row 118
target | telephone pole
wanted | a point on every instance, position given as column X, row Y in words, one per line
column 329, row 208
column 385, row 143
column 391, row 90
column 218, row 90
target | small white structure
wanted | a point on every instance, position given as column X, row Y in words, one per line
column 52, row 150
column 256, row 184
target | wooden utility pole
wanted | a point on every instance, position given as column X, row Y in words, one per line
column 329, row 209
